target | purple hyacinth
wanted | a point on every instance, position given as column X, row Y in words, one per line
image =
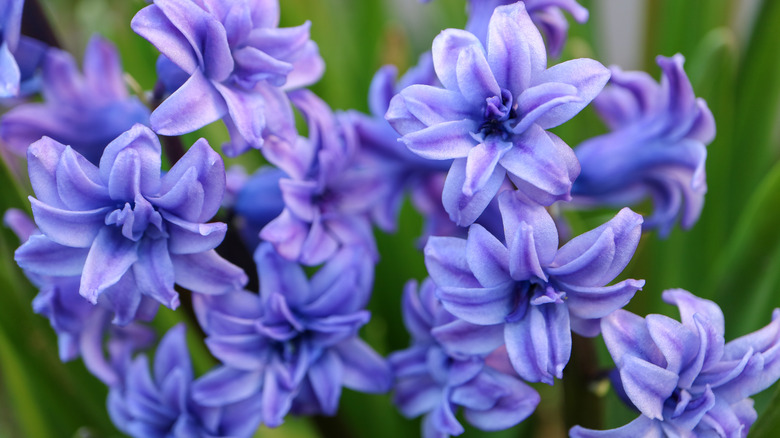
column 127, row 230
column 84, row 111
column 547, row 15
column 434, row 381
column 82, row 327
column 403, row 171
column 296, row 342
column 10, row 26
column 328, row 195
column 538, row 292
column 160, row 404
column 238, row 63
column 657, row 147
column 682, row 377
column 492, row 114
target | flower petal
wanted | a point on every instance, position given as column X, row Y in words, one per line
column 207, row 273
column 587, row 75
column 194, row 105
column 110, row 256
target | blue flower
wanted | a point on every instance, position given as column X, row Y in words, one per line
column 657, row 147
column 492, row 114
column 238, row 64
column 83, row 327
column 84, row 111
column 546, row 15
column 295, row 345
column 682, row 377
column 536, row 291
column 434, row 381
column 160, row 405
column 10, row 26
column 125, row 229
column 328, row 195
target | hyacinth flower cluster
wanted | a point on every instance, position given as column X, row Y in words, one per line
column 465, row 135
column 681, row 376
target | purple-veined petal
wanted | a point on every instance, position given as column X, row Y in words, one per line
column 153, row 272
column 641, row 427
column 596, row 257
column 434, row 105
column 78, row 183
column 69, row 228
column 469, row 339
column 539, row 344
column 689, row 305
column 464, row 209
column 154, row 26
column 518, row 404
column 247, row 111
column 481, row 165
column 207, row 273
column 647, row 385
column 626, row 333
column 587, row 75
column 541, row 166
column 110, row 256
column 447, row 262
column 145, row 144
column 443, row 141
column 536, row 101
column 475, row 80
column 43, row 158
column 479, row 305
column 225, row 385
column 677, row 343
column 44, row 257
column 515, row 47
column 194, row 105
column 325, row 376
column 598, row 302
column 487, row 257
column 446, row 50
column 516, row 209
column 189, row 238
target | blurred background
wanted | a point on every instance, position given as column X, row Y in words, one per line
column 731, row 256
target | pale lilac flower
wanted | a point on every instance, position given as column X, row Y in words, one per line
column 127, row 230
column 492, row 114
column 537, row 292
column 682, row 377
column 434, row 381
column 657, row 147
column 238, row 63
column 160, row 404
column 547, row 15
column 82, row 327
column 86, row 111
column 328, row 194
column 295, row 344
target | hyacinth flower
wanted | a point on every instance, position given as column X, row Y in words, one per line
column 160, row 405
column 682, row 377
column 295, row 344
column 238, row 63
column 403, row 171
column 537, row 292
column 81, row 326
column 657, row 147
column 492, row 114
column 433, row 381
column 127, row 230
column 86, row 111
column 328, row 195
column 547, row 15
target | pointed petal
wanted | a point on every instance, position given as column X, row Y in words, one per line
column 41, row 255
column 539, row 344
column 475, row 80
column 442, row 141
column 194, row 105
column 587, row 75
column 207, row 273
column 515, row 48
column 225, row 385
column 446, row 50
column 479, row 305
column 647, row 385
column 110, row 256
column 464, row 209
column 487, row 257
column 154, row 272
column 481, row 165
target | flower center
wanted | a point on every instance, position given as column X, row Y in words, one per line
column 134, row 219
column 498, row 113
